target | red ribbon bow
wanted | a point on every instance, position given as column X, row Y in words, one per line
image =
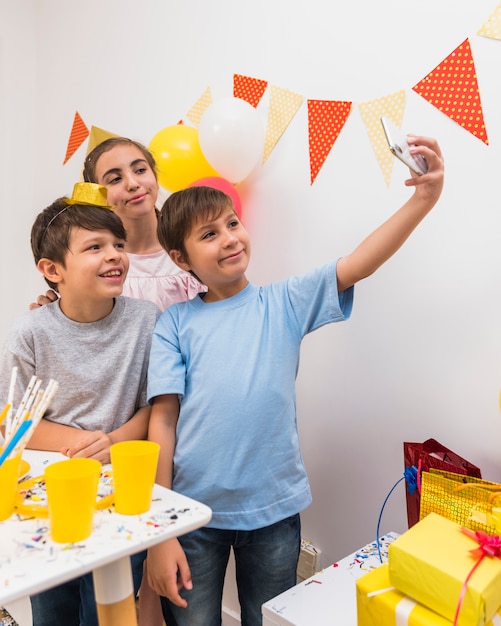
column 488, row 545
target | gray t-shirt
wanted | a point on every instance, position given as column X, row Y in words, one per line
column 101, row 366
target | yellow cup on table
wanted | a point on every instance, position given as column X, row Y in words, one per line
column 134, row 465
column 9, row 477
column 71, row 498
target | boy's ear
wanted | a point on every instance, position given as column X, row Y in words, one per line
column 179, row 259
column 50, row 270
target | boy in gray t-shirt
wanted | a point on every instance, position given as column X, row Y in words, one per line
column 95, row 344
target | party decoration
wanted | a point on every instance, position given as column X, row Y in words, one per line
column 326, row 119
column 216, row 182
column 492, row 27
column 198, row 109
column 79, row 133
column 391, row 105
column 452, row 88
column 231, row 138
column 179, row 158
column 284, row 105
column 249, row 89
column 97, row 136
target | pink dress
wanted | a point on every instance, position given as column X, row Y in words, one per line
column 156, row 278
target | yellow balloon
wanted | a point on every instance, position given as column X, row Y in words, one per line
column 179, row 158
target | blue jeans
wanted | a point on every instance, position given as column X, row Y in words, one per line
column 73, row 603
column 266, row 563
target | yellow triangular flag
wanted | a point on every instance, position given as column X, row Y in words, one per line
column 198, row 109
column 284, row 104
column 392, row 106
column 492, row 28
column 97, row 136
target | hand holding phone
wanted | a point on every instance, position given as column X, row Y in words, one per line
column 399, row 146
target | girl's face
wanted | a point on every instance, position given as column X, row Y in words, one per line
column 131, row 183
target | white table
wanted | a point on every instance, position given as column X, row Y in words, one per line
column 31, row 562
column 329, row 597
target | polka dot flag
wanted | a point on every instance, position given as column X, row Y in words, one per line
column 326, row 119
column 249, row 89
column 492, row 27
column 284, row 105
column 198, row 109
column 452, row 87
column 391, row 105
column 79, row 133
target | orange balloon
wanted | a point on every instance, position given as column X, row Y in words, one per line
column 179, row 158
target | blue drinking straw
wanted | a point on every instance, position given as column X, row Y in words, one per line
column 15, row 440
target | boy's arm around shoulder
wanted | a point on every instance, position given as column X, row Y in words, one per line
column 382, row 243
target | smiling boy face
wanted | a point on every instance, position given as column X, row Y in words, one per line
column 218, row 253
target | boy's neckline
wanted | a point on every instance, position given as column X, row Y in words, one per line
column 89, row 316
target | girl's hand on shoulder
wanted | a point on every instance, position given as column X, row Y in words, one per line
column 428, row 185
column 47, row 298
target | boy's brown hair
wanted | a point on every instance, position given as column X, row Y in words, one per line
column 183, row 209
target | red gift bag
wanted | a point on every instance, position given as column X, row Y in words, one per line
column 422, row 457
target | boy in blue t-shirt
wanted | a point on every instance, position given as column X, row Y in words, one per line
column 221, row 381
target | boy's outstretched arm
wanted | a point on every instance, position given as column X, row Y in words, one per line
column 167, row 566
column 381, row 244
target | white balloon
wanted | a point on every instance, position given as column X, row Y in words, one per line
column 231, row 136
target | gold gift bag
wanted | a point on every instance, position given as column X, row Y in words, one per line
column 470, row 502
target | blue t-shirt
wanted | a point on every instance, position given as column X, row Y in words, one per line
column 234, row 364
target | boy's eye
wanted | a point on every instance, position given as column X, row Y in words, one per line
column 208, row 234
column 120, row 246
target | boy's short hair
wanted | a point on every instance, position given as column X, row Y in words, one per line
column 183, row 208
column 89, row 170
column 51, row 231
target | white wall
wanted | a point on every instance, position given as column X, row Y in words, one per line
column 421, row 355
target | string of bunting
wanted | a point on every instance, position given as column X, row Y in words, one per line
column 451, row 87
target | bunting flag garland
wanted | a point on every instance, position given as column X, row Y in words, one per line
column 492, row 27
column 79, row 133
column 97, row 136
column 326, row 119
column 198, row 109
column 452, row 88
column 284, row 105
column 249, row 89
column 392, row 106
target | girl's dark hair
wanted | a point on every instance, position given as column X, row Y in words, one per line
column 51, row 231
column 90, row 163
column 183, row 209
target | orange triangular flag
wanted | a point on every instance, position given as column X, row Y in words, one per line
column 249, row 89
column 452, row 87
column 326, row 119
column 97, row 136
column 392, row 105
column 79, row 133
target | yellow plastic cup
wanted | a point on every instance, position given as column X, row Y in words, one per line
column 9, row 477
column 134, row 465
column 71, row 498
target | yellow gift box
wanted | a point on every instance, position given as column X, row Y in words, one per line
column 431, row 562
column 380, row 604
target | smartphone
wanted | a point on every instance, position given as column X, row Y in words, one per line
column 397, row 142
